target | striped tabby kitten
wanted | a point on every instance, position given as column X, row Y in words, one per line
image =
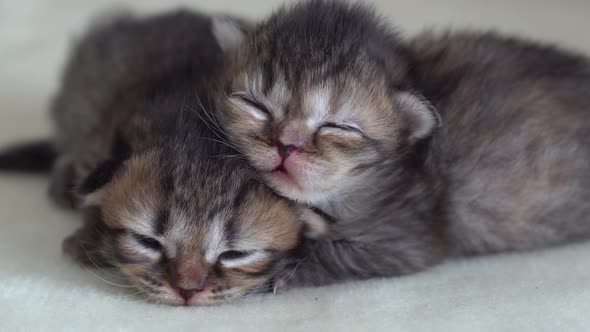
column 443, row 145
column 163, row 201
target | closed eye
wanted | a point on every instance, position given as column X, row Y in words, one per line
column 233, row 254
column 235, row 258
column 148, row 242
column 251, row 105
column 329, row 126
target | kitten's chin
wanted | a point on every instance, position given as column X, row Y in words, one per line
column 283, row 181
column 170, row 299
column 199, row 299
column 288, row 186
column 300, row 178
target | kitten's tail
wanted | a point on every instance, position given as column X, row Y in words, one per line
column 30, row 157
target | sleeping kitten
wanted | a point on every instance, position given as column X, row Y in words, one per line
column 444, row 145
column 165, row 200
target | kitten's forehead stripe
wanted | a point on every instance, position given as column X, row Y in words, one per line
column 162, row 221
column 317, row 104
column 279, row 95
column 215, row 209
column 269, row 72
column 230, row 231
column 179, row 225
column 214, row 241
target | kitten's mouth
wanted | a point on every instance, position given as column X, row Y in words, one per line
column 284, row 176
column 280, row 168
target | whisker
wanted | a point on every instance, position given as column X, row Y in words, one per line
column 210, row 117
column 96, row 265
column 220, row 142
column 221, row 139
column 210, row 114
column 106, row 281
column 290, row 275
column 205, row 122
column 215, row 131
column 229, row 156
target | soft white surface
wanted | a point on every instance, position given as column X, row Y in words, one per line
column 41, row 290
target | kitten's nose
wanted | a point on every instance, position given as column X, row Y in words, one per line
column 186, row 288
column 286, row 150
column 187, row 294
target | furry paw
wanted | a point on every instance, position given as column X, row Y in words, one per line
column 61, row 188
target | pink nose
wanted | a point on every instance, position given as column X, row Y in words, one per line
column 187, row 294
column 286, row 150
column 188, row 287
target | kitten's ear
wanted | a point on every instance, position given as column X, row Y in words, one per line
column 419, row 116
column 86, row 245
column 105, row 171
column 100, row 176
column 230, row 32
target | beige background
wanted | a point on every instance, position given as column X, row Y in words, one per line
column 39, row 289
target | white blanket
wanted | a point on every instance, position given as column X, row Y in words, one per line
column 40, row 290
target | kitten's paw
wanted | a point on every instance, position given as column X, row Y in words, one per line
column 61, row 187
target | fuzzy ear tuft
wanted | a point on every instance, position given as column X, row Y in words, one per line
column 229, row 32
column 420, row 117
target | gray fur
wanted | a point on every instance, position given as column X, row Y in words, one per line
column 114, row 60
column 507, row 170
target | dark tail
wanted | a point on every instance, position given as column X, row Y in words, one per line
column 31, row 157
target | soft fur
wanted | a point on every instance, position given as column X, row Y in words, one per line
column 443, row 145
column 166, row 200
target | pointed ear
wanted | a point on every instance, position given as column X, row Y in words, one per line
column 419, row 116
column 230, row 32
column 104, row 172
column 100, row 176
column 86, row 245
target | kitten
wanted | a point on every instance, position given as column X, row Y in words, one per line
column 444, row 145
column 166, row 200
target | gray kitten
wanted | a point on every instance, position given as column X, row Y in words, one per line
column 444, row 145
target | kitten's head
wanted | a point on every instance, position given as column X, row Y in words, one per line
column 318, row 95
column 185, row 231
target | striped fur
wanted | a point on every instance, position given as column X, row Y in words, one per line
column 360, row 111
column 166, row 199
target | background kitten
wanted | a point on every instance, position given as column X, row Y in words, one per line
column 336, row 111
column 166, row 200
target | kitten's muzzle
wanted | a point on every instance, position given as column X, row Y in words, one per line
column 187, row 294
column 285, row 150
